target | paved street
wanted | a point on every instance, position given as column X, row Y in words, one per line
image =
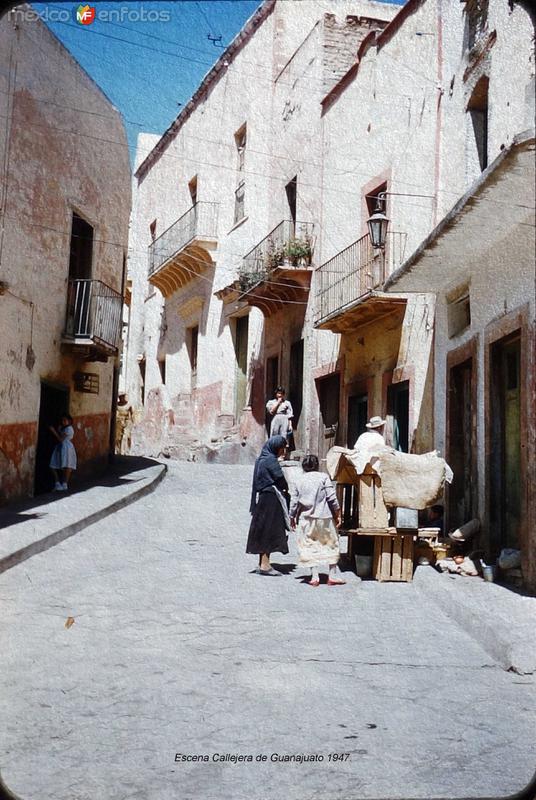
column 178, row 648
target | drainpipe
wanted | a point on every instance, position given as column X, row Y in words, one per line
column 439, row 112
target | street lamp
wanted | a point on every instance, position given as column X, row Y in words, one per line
column 377, row 225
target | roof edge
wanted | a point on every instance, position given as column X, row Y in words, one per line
column 520, row 141
column 241, row 38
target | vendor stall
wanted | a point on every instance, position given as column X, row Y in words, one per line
column 373, row 496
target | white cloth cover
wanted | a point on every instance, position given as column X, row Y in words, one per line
column 408, row 481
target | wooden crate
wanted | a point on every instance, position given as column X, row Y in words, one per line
column 393, row 557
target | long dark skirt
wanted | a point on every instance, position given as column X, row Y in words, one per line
column 267, row 532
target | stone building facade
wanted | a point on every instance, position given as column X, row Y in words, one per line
column 209, row 339
column 64, row 212
column 316, row 114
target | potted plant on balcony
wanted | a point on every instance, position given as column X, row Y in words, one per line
column 298, row 251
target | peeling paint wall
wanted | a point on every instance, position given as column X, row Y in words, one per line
column 49, row 173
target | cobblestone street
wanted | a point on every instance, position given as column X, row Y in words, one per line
column 177, row 647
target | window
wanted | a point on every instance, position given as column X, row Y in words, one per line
column 458, row 312
column 162, row 368
column 477, row 109
column 240, row 141
column 291, row 191
column 476, row 19
column 371, row 198
column 141, row 364
column 192, row 340
column 192, row 188
column 81, row 254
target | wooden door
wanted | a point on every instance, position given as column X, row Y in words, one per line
column 460, row 444
column 505, row 457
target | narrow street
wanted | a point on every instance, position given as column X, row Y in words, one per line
column 177, row 647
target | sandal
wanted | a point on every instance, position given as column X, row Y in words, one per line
column 271, row 572
column 336, row 582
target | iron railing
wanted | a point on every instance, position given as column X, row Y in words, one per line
column 199, row 222
column 289, row 244
column 354, row 272
column 93, row 313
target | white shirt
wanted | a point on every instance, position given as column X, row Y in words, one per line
column 368, row 445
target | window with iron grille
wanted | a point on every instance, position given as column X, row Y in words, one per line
column 240, row 140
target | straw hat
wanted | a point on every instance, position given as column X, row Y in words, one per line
column 376, row 422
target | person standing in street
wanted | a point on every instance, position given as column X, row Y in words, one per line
column 315, row 514
column 280, row 409
column 371, row 443
column 270, row 521
column 63, row 458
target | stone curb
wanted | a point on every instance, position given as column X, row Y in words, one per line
column 502, row 622
column 60, row 535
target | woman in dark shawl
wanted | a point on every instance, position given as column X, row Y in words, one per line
column 270, row 521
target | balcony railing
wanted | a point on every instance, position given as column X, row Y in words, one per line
column 199, row 222
column 354, row 272
column 289, row 245
column 93, row 314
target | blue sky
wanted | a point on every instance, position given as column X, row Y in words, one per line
column 150, row 67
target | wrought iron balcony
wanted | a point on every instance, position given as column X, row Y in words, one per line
column 93, row 318
column 180, row 252
column 352, row 275
column 288, row 247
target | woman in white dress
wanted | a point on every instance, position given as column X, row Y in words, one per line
column 315, row 514
column 64, row 455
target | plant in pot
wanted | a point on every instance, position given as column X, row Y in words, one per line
column 298, row 251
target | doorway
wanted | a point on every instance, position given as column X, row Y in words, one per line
column 295, row 380
column 328, row 389
column 53, row 403
column 241, row 361
column 505, row 439
column 398, row 411
column 460, row 444
column 357, row 418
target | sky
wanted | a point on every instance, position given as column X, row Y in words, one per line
column 149, row 57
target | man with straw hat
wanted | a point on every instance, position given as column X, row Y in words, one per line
column 369, row 444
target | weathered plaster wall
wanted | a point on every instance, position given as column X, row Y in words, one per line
column 274, row 85
column 51, row 172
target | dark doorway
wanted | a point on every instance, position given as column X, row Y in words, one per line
column 460, row 443
column 54, row 402
column 328, row 394
column 272, row 382
column 241, row 356
column 357, row 418
column 81, row 254
column 272, row 376
column 192, row 343
column 291, row 192
column 295, row 381
column 398, row 411
column 505, row 473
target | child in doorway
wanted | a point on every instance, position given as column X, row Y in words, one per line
column 64, row 455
